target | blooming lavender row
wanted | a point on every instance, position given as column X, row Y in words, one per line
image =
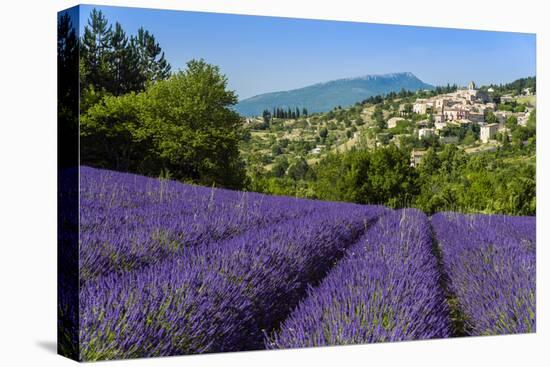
column 217, row 297
column 490, row 263
column 129, row 221
column 385, row 289
column 67, row 260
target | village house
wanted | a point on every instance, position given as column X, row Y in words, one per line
column 316, row 150
column 455, row 106
column 454, row 113
column 439, row 118
column 476, row 117
column 467, row 106
column 440, row 103
column 506, row 98
column 423, row 106
column 403, row 110
column 491, row 106
column 419, row 106
column 488, row 132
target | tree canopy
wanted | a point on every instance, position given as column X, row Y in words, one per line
column 184, row 125
column 113, row 63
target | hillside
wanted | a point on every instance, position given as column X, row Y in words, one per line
column 322, row 97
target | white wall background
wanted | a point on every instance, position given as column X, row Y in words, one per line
column 28, row 181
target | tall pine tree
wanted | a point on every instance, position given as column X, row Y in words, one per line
column 113, row 64
column 122, row 60
column 150, row 58
column 95, row 50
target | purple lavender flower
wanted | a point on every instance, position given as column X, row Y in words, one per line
column 220, row 294
column 490, row 263
column 129, row 221
column 385, row 289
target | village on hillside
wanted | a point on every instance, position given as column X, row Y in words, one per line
column 465, row 107
column 476, row 119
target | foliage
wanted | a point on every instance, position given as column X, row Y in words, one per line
column 382, row 176
column 517, row 86
column 183, row 124
column 487, row 183
column 446, row 179
column 112, row 63
column 67, row 89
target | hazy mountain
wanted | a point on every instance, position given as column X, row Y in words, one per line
column 323, row 97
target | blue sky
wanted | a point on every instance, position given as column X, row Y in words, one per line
column 265, row 54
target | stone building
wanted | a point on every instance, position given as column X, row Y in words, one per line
column 488, row 132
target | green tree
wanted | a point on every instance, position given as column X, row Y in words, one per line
column 276, row 150
column 122, row 62
column 383, row 176
column 95, row 50
column 490, row 117
column 298, row 170
column 67, row 90
column 198, row 132
column 430, row 163
column 511, row 122
column 113, row 64
column 151, row 62
column 280, row 166
column 113, row 135
column 184, row 125
column 469, row 138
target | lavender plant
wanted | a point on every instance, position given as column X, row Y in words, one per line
column 216, row 297
column 490, row 263
column 168, row 268
column 385, row 289
column 129, row 221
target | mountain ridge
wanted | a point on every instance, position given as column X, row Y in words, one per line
column 323, row 96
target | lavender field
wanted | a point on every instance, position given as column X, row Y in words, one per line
column 168, row 268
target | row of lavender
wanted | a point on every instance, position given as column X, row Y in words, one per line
column 130, row 221
column 489, row 262
column 169, row 269
column 390, row 287
column 233, row 273
column 387, row 288
column 218, row 297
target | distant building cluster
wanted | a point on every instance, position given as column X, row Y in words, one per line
column 464, row 107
